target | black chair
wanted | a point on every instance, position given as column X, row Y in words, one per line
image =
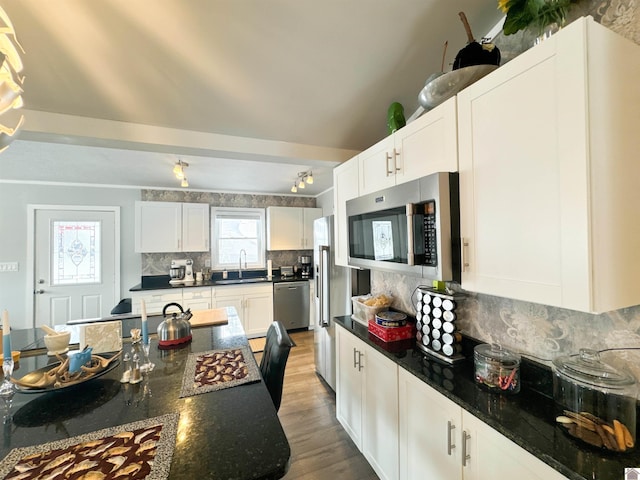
column 274, row 359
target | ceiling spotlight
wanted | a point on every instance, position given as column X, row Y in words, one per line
column 294, row 189
column 184, row 182
column 310, row 178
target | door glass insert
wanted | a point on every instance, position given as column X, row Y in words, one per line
column 75, row 256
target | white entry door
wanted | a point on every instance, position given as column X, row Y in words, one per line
column 76, row 264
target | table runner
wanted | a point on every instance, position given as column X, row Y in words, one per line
column 218, row 369
column 133, row 451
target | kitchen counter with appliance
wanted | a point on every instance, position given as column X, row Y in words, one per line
column 161, row 282
column 526, row 418
column 229, row 433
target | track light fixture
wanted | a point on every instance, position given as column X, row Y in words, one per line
column 178, row 169
column 301, row 180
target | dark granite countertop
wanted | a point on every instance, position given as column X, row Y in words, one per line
column 233, row 433
column 526, row 418
column 161, row 282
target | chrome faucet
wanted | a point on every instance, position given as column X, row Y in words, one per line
column 245, row 262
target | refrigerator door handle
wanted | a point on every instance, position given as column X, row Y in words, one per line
column 324, row 287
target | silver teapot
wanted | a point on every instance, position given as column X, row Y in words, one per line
column 174, row 330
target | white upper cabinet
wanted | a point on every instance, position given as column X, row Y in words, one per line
column 195, row 227
column 309, row 215
column 548, row 173
column 291, row 228
column 345, row 187
column 171, row 227
column 426, row 145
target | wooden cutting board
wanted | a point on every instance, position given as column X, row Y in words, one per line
column 205, row 318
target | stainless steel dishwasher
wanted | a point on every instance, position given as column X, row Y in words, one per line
column 291, row 304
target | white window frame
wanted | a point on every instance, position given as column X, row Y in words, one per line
column 230, row 212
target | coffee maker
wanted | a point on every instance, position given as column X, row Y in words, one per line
column 181, row 271
column 305, row 266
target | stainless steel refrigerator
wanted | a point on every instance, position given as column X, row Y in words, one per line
column 334, row 287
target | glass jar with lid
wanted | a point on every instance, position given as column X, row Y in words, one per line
column 496, row 368
column 596, row 401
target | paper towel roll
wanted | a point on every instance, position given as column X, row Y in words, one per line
column 269, row 268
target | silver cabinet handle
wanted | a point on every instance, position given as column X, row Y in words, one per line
column 396, row 154
column 357, row 359
column 387, row 158
column 465, row 456
column 450, row 428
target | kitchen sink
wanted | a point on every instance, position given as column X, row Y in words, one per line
column 237, row 281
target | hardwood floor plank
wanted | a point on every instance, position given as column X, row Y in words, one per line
column 320, row 447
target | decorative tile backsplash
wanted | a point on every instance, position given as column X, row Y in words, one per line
column 541, row 331
column 158, row 263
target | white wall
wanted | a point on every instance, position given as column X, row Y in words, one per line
column 14, row 198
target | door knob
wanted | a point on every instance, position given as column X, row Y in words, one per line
column 38, row 292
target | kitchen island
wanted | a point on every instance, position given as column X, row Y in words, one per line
column 233, row 433
column 526, row 418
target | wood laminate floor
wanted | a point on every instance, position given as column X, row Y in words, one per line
column 320, row 448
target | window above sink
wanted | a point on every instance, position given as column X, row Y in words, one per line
column 233, row 230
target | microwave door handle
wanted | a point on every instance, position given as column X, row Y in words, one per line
column 410, row 251
column 324, row 285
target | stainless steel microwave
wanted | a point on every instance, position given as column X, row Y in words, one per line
column 412, row 228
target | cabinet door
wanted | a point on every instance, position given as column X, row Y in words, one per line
column 510, row 178
column 345, row 187
column 310, row 215
column 284, row 228
column 380, row 414
column 258, row 311
column 196, row 298
column 378, row 166
column 158, row 227
column 428, row 144
column 195, row 227
column 492, row 455
column 349, row 362
column 430, row 432
column 235, row 301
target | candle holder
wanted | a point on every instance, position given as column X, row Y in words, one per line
column 7, row 388
column 147, row 366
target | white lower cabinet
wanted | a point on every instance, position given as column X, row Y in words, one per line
column 367, row 402
column 254, row 304
column 440, row 440
column 197, row 298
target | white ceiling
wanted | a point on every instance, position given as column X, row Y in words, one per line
column 248, row 92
